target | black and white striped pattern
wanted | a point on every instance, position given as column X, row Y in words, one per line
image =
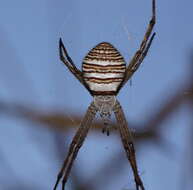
column 103, row 69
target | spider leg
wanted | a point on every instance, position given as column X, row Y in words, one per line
column 127, row 141
column 75, row 145
column 66, row 59
column 143, row 46
column 141, row 58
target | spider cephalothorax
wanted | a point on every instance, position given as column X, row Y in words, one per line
column 104, row 73
column 105, row 105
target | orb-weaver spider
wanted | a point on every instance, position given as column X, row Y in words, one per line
column 104, row 73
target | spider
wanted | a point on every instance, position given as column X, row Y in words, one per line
column 104, row 73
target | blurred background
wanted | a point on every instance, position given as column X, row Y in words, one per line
column 42, row 104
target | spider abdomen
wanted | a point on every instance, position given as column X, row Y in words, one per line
column 103, row 69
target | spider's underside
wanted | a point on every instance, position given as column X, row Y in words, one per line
column 104, row 73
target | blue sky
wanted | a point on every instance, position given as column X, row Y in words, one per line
column 31, row 73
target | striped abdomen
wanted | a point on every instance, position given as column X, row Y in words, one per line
column 103, row 69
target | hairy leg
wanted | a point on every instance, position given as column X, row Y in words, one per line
column 75, row 145
column 127, row 141
column 65, row 58
column 143, row 45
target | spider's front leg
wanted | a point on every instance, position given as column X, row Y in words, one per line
column 127, row 143
column 75, row 145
